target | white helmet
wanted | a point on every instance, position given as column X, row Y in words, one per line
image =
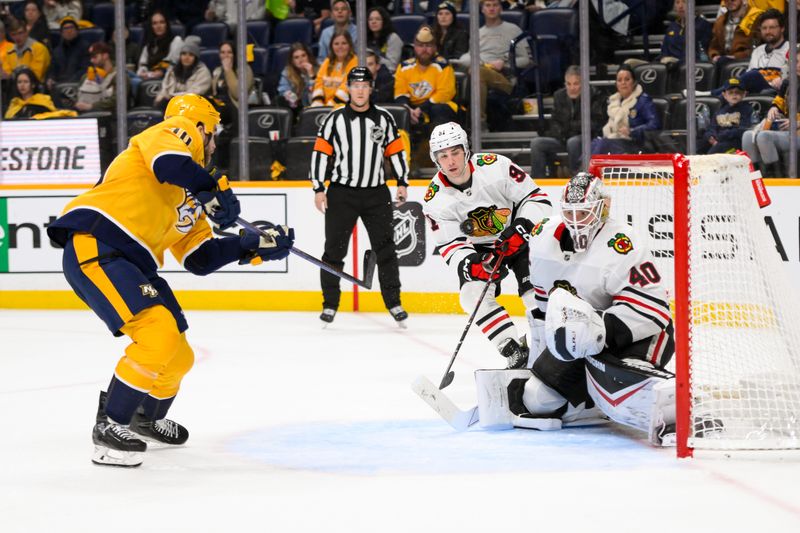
column 584, row 208
column 445, row 136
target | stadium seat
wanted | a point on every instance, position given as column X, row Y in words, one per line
column 212, row 34
column 734, row 69
column 146, row 93
column 210, row 58
column 554, row 21
column 178, row 29
column 652, row 77
column 298, row 157
column 406, row 26
column 260, row 64
column 258, row 32
column 662, row 106
column 703, row 77
column 553, row 34
column 289, row 31
column 275, row 124
column 310, row 121
column 277, row 55
column 136, row 34
column 463, row 19
column 514, row 17
column 760, row 104
column 400, row 114
column 103, row 17
column 704, row 106
column 260, row 157
column 325, row 23
column 92, row 35
column 55, row 38
column 141, row 119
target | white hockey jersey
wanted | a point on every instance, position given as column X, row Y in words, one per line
column 617, row 276
column 499, row 192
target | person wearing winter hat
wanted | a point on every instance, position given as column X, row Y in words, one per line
column 189, row 75
column 452, row 40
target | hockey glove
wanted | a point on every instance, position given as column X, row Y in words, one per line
column 257, row 248
column 220, row 204
column 478, row 267
column 573, row 328
column 514, row 238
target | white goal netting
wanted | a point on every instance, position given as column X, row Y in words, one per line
column 744, row 349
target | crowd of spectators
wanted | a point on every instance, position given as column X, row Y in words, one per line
column 48, row 47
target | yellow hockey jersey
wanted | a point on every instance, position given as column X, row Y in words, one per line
column 132, row 211
column 435, row 83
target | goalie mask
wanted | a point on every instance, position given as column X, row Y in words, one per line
column 446, row 136
column 584, row 208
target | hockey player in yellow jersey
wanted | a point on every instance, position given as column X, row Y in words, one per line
column 155, row 196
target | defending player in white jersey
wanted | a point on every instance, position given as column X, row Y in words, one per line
column 601, row 332
column 481, row 210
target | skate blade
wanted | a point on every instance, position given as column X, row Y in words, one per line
column 402, row 324
column 104, row 455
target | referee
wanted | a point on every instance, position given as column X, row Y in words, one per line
column 350, row 150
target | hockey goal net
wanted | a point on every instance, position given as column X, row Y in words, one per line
column 736, row 313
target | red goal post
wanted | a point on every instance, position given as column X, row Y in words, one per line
column 737, row 340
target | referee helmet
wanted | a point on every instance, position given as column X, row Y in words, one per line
column 359, row 74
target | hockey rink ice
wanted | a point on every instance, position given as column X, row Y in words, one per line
column 298, row 428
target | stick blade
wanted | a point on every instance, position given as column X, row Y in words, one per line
column 447, row 379
column 444, row 406
column 369, row 262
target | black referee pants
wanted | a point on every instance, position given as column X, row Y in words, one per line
column 374, row 206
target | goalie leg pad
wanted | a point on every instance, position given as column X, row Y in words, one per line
column 631, row 392
column 493, row 398
column 539, row 399
column 573, row 329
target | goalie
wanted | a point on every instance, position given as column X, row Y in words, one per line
column 601, row 333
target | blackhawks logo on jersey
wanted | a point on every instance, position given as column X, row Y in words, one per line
column 488, row 220
column 486, row 159
column 431, row 192
column 537, row 229
column 566, row 285
column 621, row 244
column 188, row 213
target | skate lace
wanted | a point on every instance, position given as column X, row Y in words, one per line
column 122, row 432
column 167, row 427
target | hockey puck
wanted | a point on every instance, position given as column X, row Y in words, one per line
column 467, row 227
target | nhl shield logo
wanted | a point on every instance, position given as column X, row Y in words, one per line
column 376, row 134
column 409, row 234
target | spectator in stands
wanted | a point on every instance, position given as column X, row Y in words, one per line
column 297, row 78
column 673, row 48
column 732, row 119
column 70, row 57
column 189, row 75
column 769, row 140
column 382, row 38
column 631, row 113
column 496, row 73
column 227, row 11
column 342, row 20
column 330, row 87
column 97, row 90
column 225, row 78
column 189, row 12
column 27, row 97
column 383, row 86
column 452, row 41
column 5, row 44
column 36, row 23
column 564, row 127
column 160, row 50
column 26, row 51
column 314, row 10
column 426, row 83
column 733, row 34
column 55, row 10
column 769, row 60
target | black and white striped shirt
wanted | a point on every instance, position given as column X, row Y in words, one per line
column 351, row 147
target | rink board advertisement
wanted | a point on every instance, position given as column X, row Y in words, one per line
column 68, row 153
column 29, row 262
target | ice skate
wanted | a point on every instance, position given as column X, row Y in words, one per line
column 516, row 355
column 327, row 316
column 162, row 431
column 115, row 445
column 400, row 315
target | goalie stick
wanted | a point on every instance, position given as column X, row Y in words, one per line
column 368, row 262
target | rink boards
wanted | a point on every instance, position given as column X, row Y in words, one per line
column 30, row 266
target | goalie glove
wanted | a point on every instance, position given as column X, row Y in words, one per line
column 257, row 248
column 514, row 238
column 573, row 329
column 220, row 204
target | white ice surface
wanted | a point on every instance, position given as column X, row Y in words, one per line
column 296, row 428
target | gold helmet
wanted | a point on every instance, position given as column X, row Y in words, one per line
column 196, row 108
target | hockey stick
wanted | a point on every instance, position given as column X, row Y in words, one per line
column 447, row 379
column 439, row 402
column 369, row 261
